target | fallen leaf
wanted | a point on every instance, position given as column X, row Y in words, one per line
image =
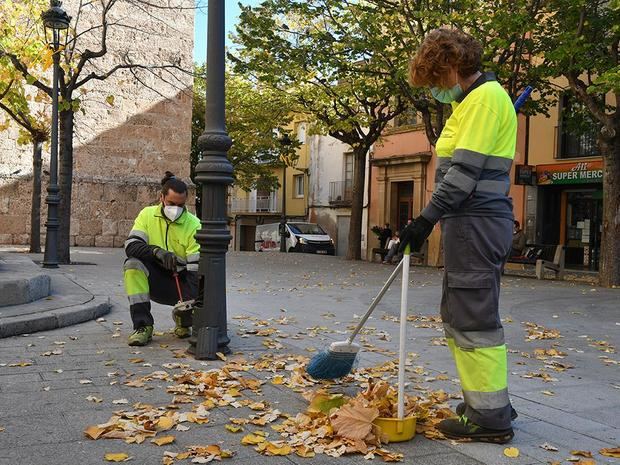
column 324, row 403
column 20, row 364
column 86, row 381
column 119, row 457
column 252, row 439
column 94, row 431
column 353, row 420
column 164, row 423
column 548, row 447
column 182, row 428
column 120, row 401
column 94, row 399
column 582, row 453
column 511, row 452
column 548, row 393
column 610, row 452
column 163, row 440
column 233, row 428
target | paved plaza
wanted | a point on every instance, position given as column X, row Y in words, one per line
column 563, row 362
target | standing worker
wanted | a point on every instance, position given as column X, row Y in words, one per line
column 474, row 155
column 160, row 244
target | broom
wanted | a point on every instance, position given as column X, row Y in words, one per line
column 337, row 361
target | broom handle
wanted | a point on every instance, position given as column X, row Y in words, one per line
column 376, row 301
column 403, row 334
column 176, row 279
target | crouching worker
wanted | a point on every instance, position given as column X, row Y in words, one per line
column 160, row 244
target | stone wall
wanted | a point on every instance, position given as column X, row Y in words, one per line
column 121, row 148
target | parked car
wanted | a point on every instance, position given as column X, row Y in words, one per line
column 300, row 237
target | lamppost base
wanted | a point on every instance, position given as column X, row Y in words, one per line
column 204, row 344
column 49, row 265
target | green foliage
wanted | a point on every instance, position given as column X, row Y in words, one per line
column 253, row 114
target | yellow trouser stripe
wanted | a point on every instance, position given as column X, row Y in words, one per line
column 136, row 282
column 483, row 369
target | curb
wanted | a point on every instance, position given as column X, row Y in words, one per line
column 53, row 319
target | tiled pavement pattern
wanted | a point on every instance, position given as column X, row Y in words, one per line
column 44, row 411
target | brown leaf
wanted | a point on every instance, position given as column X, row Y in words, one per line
column 354, row 421
column 94, row 432
column 610, row 452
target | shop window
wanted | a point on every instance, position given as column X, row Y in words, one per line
column 576, row 131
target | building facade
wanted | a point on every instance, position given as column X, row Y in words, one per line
column 564, row 191
column 122, row 146
column 248, row 209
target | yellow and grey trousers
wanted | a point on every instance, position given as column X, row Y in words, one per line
column 475, row 251
column 145, row 280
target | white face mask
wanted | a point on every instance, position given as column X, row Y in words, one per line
column 173, row 212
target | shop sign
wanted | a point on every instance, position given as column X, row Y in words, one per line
column 570, row 173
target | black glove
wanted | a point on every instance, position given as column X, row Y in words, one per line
column 167, row 259
column 415, row 234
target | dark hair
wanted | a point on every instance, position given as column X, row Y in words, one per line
column 517, row 224
column 442, row 49
column 170, row 181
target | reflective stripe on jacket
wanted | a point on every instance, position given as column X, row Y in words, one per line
column 474, row 155
column 153, row 228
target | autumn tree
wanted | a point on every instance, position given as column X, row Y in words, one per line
column 33, row 129
column 255, row 118
column 90, row 55
column 322, row 56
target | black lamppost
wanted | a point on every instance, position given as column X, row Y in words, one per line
column 56, row 21
column 214, row 174
column 286, row 142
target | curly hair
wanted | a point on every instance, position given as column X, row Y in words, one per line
column 441, row 50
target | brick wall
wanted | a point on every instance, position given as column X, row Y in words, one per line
column 121, row 151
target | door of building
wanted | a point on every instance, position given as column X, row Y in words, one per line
column 404, row 203
column 248, row 237
column 343, row 235
column 584, row 210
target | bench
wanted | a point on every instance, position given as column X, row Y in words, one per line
column 543, row 257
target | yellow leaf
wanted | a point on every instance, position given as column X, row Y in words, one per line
column 94, row 432
column 304, row 451
column 582, row 453
column 273, row 449
column 353, row 420
column 164, row 423
column 252, row 439
column 120, row 457
column 278, row 379
column 324, row 403
column 221, row 356
column 610, row 452
column 163, row 440
column 233, row 428
column 511, row 452
column 110, row 100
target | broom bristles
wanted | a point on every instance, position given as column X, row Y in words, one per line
column 331, row 365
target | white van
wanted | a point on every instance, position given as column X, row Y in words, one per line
column 300, row 237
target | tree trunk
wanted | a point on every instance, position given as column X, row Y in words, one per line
column 65, row 178
column 609, row 272
column 35, row 212
column 354, row 252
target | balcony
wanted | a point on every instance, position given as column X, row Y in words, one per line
column 341, row 193
column 267, row 204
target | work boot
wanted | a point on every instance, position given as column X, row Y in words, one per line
column 460, row 410
column 462, row 428
column 181, row 330
column 141, row 336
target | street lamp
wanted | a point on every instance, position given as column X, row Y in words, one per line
column 56, row 21
column 286, row 142
column 214, row 175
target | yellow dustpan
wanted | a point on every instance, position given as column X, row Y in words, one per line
column 401, row 428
